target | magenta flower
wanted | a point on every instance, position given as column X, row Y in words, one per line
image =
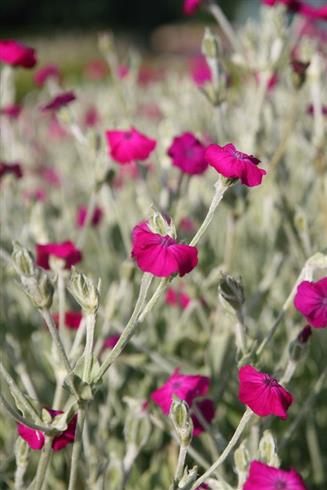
column 72, row 319
column 59, row 101
column 311, row 109
column 187, row 225
column 96, row 69
column 10, row 168
column 91, row 117
column 17, row 54
column 207, row 409
column 45, row 73
column 127, row 146
column 262, row 393
column 82, row 213
column 12, row 111
column 302, row 8
column 234, row 164
column 51, row 176
column 200, row 71
column 311, row 301
column 35, row 438
column 264, row 477
column 187, row 153
column 123, row 71
column 186, row 387
column 190, row 7
column 110, row 342
column 161, row 255
column 176, row 297
column 63, row 250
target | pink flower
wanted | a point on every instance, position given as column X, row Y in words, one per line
column 187, row 225
column 56, row 130
column 11, row 168
column 161, row 255
column 72, row 319
column 190, row 7
column 17, row 54
column 12, row 111
column 96, row 69
column 91, row 117
column 311, row 301
column 123, row 71
column 186, row 387
column 264, row 477
column 262, row 393
column 59, row 101
column 176, row 297
column 35, row 438
column 234, row 164
column 64, row 250
column 82, row 213
column 45, row 73
column 200, row 71
column 51, row 176
column 127, row 146
column 110, row 342
column 187, row 153
column 207, row 409
column 272, row 82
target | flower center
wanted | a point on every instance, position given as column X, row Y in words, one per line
column 176, row 385
column 270, row 382
column 239, row 155
column 166, row 241
column 128, row 135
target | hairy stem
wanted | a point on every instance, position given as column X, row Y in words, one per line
column 88, row 351
column 40, row 478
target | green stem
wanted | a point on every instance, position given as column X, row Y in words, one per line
column 130, row 328
column 60, row 348
column 248, row 414
column 62, row 309
column 76, row 449
column 180, row 466
column 19, row 395
column 220, row 188
column 40, row 478
column 88, row 351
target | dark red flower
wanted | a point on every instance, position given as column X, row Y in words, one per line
column 82, row 214
column 72, row 319
column 63, row 250
column 17, row 54
column 10, row 168
column 59, row 101
column 187, row 153
column 12, row 111
column 45, row 73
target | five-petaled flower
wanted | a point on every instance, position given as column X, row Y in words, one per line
column 45, row 73
column 72, row 319
column 63, row 250
column 35, row 438
column 82, row 214
column 233, row 164
column 59, row 101
column 161, row 255
column 128, row 146
column 262, row 393
column 187, row 153
column 188, row 388
column 17, row 54
column 264, row 477
column 311, row 301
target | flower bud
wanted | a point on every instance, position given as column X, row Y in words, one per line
column 298, row 347
column 84, row 291
column 299, row 69
column 210, row 45
column 23, row 260
column 39, row 288
column 180, row 416
column 231, row 290
column 267, row 449
column 158, row 224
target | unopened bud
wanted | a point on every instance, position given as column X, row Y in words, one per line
column 180, row 416
column 210, row 45
column 39, row 288
column 298, row 347
column 267, row 449
column 299, row 69
column 158, row 224
column 231, row 290
column 23, row 260
column 85, row 292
